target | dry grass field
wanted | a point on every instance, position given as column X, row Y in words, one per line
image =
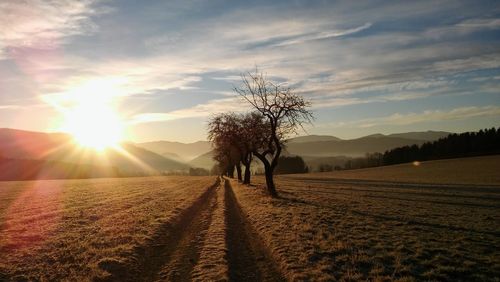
column 135, row 229
column 475, row 170
column 206, row 229
column 89, row 229
column 324, row 228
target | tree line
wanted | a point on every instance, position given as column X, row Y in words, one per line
column 482, row 142
column 275, row 113
column 468, row 144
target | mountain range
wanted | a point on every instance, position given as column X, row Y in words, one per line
column 183, row 151
column 311, row 147
column 59, row 150
column 57, row 147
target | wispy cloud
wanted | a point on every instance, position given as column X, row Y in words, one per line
column 463, row 27
column 200, row 110
column 322, row 35
column 43, row 24
column 461, row 113
column 177, row 48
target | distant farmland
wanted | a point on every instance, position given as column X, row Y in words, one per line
column 483, row 170
column 379, row 225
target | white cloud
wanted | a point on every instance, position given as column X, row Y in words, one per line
column 43, row 24
column 323, row 35
column 234, row 104
column 488, row 61
column 398, row 65
column 464, row 27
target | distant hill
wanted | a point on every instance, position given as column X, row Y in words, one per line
column 204, row 161
column 173, row 156
column 18, row 144
column 352, row 148
column 311, row 146
column 313, row 138
column 17, row 169
column 131, row 159
column 186, row 151
column 21, row 144
column 165, row 155
column 424, row 135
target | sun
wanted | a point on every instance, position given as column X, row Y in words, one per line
column 94, row 127
column 90, row 116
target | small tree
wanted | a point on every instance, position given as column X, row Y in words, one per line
column 235, row 137
column 284, row 111
column 253, row 131
column 224, row 132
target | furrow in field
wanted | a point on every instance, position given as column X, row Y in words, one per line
column 172, row 253
column 212, row 264
column 248, row 257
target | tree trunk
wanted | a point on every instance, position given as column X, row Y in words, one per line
column 270, row 182
column 271, row 188
column 238, row 170
column 230, row 171
column 246, row 179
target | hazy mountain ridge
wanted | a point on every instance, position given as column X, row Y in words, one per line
column 167, row 155
column 422, row 135
column 22, row 144
column 204, row 161
column 23, row 169
column 353, row 148
column 18, row 144
column 313, row 138
column 317, row 149
column 186, row 151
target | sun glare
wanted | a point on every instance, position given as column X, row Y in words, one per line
column 90, row 115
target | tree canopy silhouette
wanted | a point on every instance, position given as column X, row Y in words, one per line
column 291, row 164
column 235, row 137
column 283, row 110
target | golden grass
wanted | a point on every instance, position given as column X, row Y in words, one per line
column 322, row 230
column 85, row 229
column 475, row 170
column 213, row 264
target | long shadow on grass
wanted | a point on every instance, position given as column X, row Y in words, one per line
column 393, row 184
column 416, row 200
column 436, row 202
column 392, row 190
column 432, row 225
column 150, row 258
column 248, row 258
column 290, row 200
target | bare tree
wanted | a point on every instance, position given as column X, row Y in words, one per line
column 224, row 132
column 285, row 112
column 253, row 131
column 235, row 137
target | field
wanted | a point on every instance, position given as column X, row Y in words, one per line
column 205, row 228
column 475, row 170
column 97, row 228
column 135, row 229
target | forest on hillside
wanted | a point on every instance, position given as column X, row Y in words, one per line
column 467, row 144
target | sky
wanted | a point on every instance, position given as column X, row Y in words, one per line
column 167, row 66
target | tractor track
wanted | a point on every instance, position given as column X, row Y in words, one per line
column 172, row 253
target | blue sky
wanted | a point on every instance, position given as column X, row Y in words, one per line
column 367, row 66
